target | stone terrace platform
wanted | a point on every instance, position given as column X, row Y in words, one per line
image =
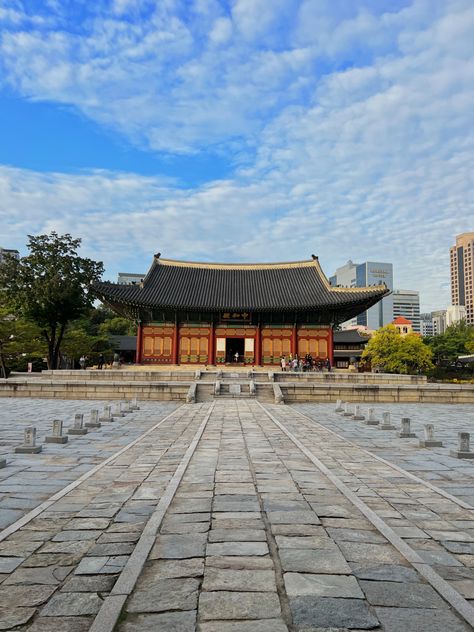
column 233, row 516
column 206, row 385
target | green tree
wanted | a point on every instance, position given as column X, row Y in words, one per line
column 118, row 326
column 458, row 339
column 78, row 342
column 18, row 338
column 51, row 287
column 391, row 352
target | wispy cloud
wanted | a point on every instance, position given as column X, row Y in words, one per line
column 355, row 126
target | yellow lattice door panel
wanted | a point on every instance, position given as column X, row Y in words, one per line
column 157, row 344
column 147, row 345
column 194, row 347
column 323, row 348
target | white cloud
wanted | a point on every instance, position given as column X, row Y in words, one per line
column 375, row 165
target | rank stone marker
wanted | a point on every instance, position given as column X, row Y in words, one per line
column 347, row 412
column 405, row 432
column 94, row 420
column 106, row 414
column 57, row 436
column 429, row 441
column 135, row 405
column 358, row 416
column 339, row 408
column 3, row 463
column 123, row 408
column 78, row 428
column 118, row 411
column 386, row 423
column 29, row 442
column 464, row 450
column 371, row 419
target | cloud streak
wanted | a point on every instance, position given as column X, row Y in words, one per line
column 370, row 160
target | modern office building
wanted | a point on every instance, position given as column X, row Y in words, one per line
column 426, row 324
column 6, row 252
column 462, row 274
column 454, row 314
column 438, row 318
column 364, row 275
column 406, row 303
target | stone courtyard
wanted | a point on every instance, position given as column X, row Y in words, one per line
column 236, row 516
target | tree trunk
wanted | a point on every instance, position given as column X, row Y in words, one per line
column 2, row 365
column 51, row 346
column 58, row 345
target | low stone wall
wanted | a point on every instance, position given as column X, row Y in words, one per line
column 372, row 393
column 89, row 389
column 292, row 390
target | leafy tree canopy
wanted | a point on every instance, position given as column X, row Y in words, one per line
column 458, row 339
column 50, row 287
column 18, row 339
column 391, row 352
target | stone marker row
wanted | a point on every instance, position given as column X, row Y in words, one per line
column 29, row 445
column 429, row 441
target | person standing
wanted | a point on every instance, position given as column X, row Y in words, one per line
column 82, row 362
column 100, row 362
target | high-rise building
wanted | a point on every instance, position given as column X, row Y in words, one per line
column 426, row 324
column 454, row 314
column 462, row 274
column 363, row 275
column 6, row 252
column 438, row 318
column 406, row 303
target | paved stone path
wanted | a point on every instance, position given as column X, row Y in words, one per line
column 276, row 525
column 30, row 480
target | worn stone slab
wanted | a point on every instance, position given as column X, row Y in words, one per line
column 13, row 617
column 239, row 561
column 93, row 583
column 179, row 546
column 380, row 593
column 237, row 535
column 314, row 561
column 49, row 575
column 305, row 542
column 385, row 572
column 356, row 535
column 370, row 553
column 293, row 517
column 300, row 584
column 164, row 594
column 420, row 620
column 62, row 624
column 8, row 564
column 237, row 548
column 238, row 605
column 169, row 569
column 72, row 605
column 163, row 622
column 24, row 595
column 266, row 625
column 240, row 580
column 326, row 612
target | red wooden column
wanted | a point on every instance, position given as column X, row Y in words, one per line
column 294, row 346
column 331, row 346
column 258, row 346
column 212, row 338
column 175, row 342
column 138, row 351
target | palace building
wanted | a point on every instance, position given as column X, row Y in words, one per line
column 214, row 313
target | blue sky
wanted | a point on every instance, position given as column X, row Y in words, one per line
column 244, row 130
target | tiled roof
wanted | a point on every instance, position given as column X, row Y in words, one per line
column 180, row 285
column 401, row 320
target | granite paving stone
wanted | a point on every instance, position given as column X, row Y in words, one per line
column 163, row 622
column 72, row 605
column 300, row 584
column 164, row 594
column 222, row 605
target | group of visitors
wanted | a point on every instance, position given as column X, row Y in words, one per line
column 304, row 364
